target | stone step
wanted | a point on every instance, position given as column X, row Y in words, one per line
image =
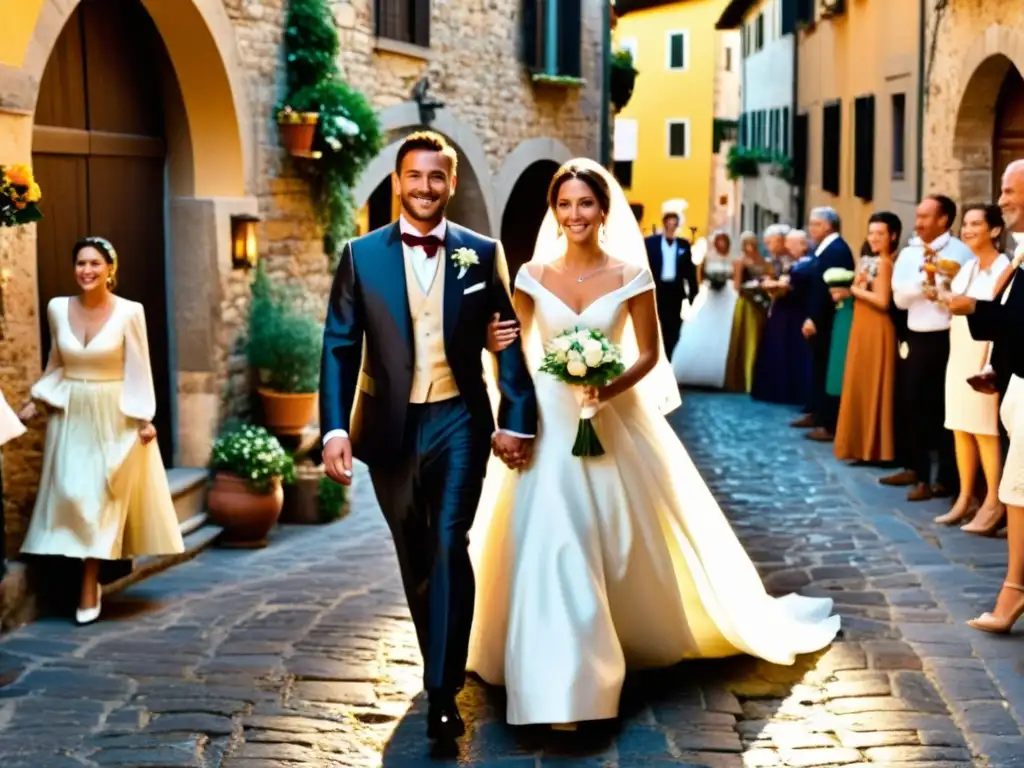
column 188, row 488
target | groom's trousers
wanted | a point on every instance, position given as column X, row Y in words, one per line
column 429, row 497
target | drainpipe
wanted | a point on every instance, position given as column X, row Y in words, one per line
column 798, row 219
column 606, row 62
column 921, row 85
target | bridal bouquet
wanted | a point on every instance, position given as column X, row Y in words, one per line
column 717, row 274
column 837, row 277
column 583, row 357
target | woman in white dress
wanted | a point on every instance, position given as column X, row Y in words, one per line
column 103, row 492
column 587, row 567
column 973, row 416
column 703, row 347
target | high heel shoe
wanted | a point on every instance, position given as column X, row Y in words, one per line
column 989, row 622
column 954, row 515
column 84, row 616
column 998, row 521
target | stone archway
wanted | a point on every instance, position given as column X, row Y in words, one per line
column 473, row 204
column 990, row 69
column 210, row 166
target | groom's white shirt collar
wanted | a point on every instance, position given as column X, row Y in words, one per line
column 830, row 238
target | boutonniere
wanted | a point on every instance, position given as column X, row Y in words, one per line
column 464, row 258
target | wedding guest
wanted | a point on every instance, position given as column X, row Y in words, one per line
column 800, row 278
column 972, row 416
column 866, row 410
column 831, row 252
column 999, row 321
column 103, row 492
column 842, row 323
column 926, row 349
column 675, row 274
column 750, row 315
column 782, row 373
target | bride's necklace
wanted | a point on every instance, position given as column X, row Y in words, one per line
column 593, row 272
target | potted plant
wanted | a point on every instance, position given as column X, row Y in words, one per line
column 297, row 130
column 622, row 78
column 283, row 346
column 249, row 466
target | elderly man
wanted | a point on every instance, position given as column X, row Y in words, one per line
column 674, row 274
column 831, row 252
column 1000, row 321
column 925, row 352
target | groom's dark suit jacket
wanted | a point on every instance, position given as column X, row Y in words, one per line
column 369, row 311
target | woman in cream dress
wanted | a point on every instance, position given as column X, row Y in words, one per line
column 103, row 493
column 973, row 416
column 587, row 567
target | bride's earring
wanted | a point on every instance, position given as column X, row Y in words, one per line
column 602, row 233
column 559, row 230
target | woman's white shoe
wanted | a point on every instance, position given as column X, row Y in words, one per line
column 85, row 616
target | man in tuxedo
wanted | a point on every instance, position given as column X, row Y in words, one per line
column 674, row 274
column 417, row 297
column 831, row 252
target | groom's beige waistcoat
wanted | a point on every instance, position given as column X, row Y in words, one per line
column 432, row 379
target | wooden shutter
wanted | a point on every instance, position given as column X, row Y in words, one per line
column 786, row 149
column 570, row 41
column 864, row 147
column 789, row 16
column 421, row 23
column 831, row 138
column 801, row 148
column 534, row 14
column 406, row 21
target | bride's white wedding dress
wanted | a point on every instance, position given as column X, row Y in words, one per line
column 589, row 567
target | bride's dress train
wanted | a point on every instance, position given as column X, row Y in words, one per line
column 589, row 567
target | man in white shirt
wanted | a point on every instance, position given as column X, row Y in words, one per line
column 674, row 273
column 925, row 352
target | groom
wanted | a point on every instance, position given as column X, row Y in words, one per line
column 418, row 296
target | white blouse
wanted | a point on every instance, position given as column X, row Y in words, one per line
column 979, row 283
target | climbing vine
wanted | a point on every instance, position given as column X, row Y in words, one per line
column 348, row 134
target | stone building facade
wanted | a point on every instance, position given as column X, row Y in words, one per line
column 974, row 96
column 215, row 153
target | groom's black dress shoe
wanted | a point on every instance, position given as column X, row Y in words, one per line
column 444, row 723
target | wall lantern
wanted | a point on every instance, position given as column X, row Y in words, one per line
column 244, row 250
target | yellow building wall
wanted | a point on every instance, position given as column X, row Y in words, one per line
column 17, row 21
column 661, row 95
column 871, row 48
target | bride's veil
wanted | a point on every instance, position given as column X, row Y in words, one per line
column 624, row 241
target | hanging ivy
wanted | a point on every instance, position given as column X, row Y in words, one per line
column 348, row 134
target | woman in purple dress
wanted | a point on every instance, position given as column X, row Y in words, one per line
column 783, row 370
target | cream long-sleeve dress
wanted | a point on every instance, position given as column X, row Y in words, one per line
column 102, row 493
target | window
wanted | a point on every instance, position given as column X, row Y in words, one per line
column 404, row 21
column 899, row 135
column 759, row 33
column 801, row 149
column 785, row 149
column 678, row 50
column 679, row 138
column 773, row 131
column 788, row 20
column 623, row 172
column 552, row 42
column 728, row 58
column 804, row 11
column 864, row 147
column 831, row 135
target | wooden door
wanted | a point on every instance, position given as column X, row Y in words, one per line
column 1008, row 142
column 99, row 154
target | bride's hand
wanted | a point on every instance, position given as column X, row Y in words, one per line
column 147, row 433
column 593, row 394
column 501, row 333
column 28, row 413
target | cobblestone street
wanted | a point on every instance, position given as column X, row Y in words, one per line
column 303, row 653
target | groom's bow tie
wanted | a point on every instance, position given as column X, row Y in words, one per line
column 429, row 244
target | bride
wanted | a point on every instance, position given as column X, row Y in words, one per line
column 587, row 567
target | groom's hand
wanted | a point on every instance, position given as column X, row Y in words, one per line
column 338, row 460
column 516, row 452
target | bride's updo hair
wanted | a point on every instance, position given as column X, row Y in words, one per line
column 588, row 176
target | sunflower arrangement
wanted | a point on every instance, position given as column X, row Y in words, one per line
column 19, row 196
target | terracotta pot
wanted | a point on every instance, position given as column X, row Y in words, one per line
column 302, row 497
column 287, row 414
column 297, row 138
column 246, row 516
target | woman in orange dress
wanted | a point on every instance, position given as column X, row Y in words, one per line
column 865, row 431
